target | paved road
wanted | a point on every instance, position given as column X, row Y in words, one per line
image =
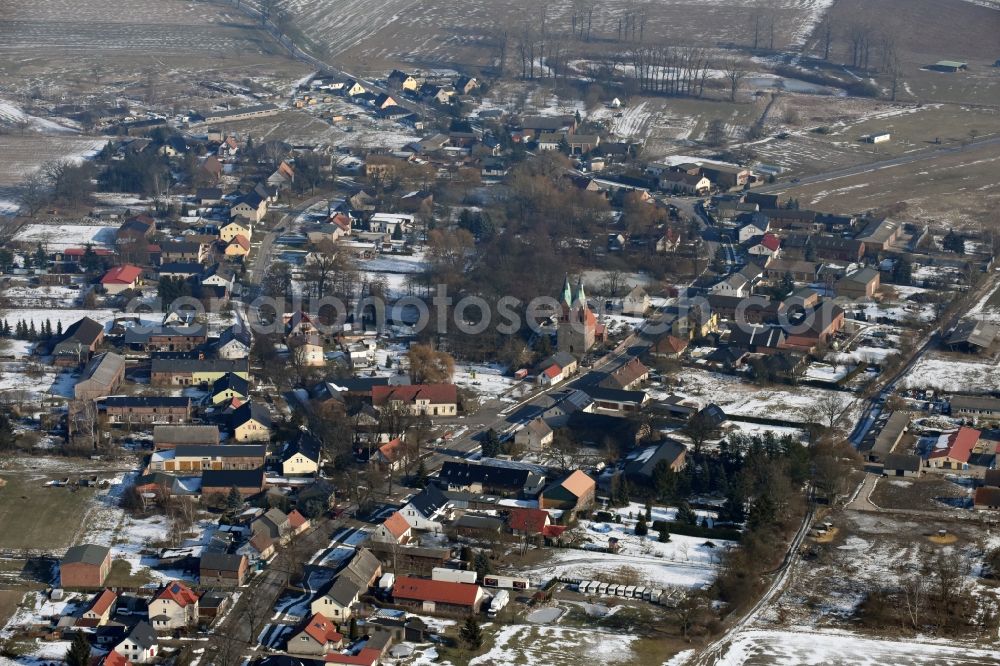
column 909, row 158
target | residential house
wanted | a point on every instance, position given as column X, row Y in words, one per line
column 165, row 338
column 814, row 327
column 767, row 245
column 668, row 346
column 574, row 493
column 102, row 376
column 251, row 422
column 339, row 599
column 640, row 464
column 879, row 235
column 393, row 530
column 425, row 510
column 317, row 636
column 536, row 435
column 954, row 451
column 307, row 351
column 238, row 247
column 420, row 399
column 182, row 251
column 390, row 456
column 79, row 342
column 726, row 177
column 224, row 570
column 250, row 206
column 121, row 278
column 436, row 596
column 234, row 343
column 229, row 387
column 626, row 377
column 174, row 607
column 616, row 401
column 140, row 645
column 776, row 269
column 302, row 455
column 533, row 523
column 861, row 284
column 636, row 302
column 100, row 610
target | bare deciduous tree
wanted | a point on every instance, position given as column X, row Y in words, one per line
column 735, row 71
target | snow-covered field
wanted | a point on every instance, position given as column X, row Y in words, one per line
column 954, row 373
column 682, row 562
column 61, row 236
column 556, row 646
column 803, row 646
column 486, row 380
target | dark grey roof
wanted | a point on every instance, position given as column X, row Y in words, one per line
column 86, row 553
column 230, row 381
column 251, row 410
column 470, row 522
column 85, row 331
column 430, row 500
column 103, row 369
column 344, row 590
column 184, row 267
column 227, row 478
column 464, row 473
column 904, row 461
column 220, row 561
column 235, row 332
column 750, row 336
column 146, row 401
column 186, row 434
column 184, row 247
column 639, row 464
column 142, row 334
column 143, row 635
column 362, row 568
column 615, row 395
column 306, row 444
column 973, row 332
column 974, row 403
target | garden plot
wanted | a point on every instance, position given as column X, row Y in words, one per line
column 486, row 380
column 24, row 154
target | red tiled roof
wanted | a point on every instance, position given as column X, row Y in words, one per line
column 437, row 394
column 531, row 521
column 179, row 593
column 438, row 591
column 241, row 240
column 552, row 371
column 366, row 657
column 391, row 451
column 770, row 241
column 115, row 659
column 671, row 344
column 553, row 530
column 102, row 602
column 396, row 525
column 960, row 445
column 126, row 274
column 80, row 251
column 322, row 630
column 296, row 519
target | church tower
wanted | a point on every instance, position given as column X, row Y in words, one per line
column 577, row 324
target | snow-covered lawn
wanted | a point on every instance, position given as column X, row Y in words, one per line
column 486, row 380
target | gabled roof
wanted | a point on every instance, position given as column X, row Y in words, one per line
column 321, row 630
column 143, row 635
column 224, row 479
column 236, row 333
column 126, row 274
column 365, row 657
column 102, row 602
column 248, row 411
column 396, row 525
column 186, row 434
column 306, row 444
column 973, row 332
column 86, row 331
column 221, row 561
column 438, row 591
column 770, row 241
column 434, row 393
column 296, row 519
column 463, row 473
column 531, row 521
column 86, row 554
column 362, row 568
column 960, row 445
column 578, row 483
column 391, row 451
column 179, row 593
column 429, row 501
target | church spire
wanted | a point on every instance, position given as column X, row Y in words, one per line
column 581, row 297
column 567, row 295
